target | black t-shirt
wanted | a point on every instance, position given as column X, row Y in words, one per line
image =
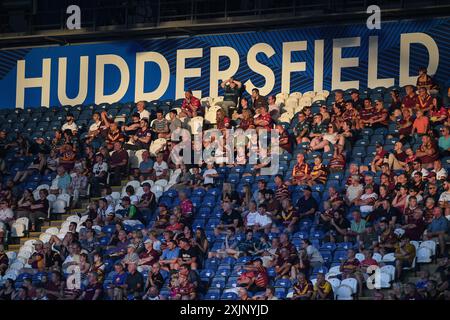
column 90, row 291
column 186, row 254
column 231, row 94
column 305, row 205
column 229, row 218
column 133, row 280
column 158, row 280
column 343, row 224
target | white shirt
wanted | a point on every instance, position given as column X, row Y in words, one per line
column 72, row 126
column 353, row 192
column 251, row 218
column 144, row 114
column 368, row 208
column 99, row 168
column 313, row 254
column 209, row 180
column 6, row 214
column 445, row 197
column 160, row 167
column 262, row 220
column 441, row 174
column 95, row 126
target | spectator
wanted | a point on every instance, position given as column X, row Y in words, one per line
column 322, row 289
column 141, row 139
column 143, row 114
column 118, row 164
column 160, row 125
column 232, row 92
column 191, row 106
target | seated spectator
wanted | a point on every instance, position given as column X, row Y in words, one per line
column 99, row 175
column 437, row 230
column 70, row 124
column 444, row 141
column 306, row 205
column 191, row 106
column 366, row 201
column 160, row 125
column 228, row 247
column 322, row 289
column 427, row 152
column 405, row 253
column 78, row 186
column 134, row 283
column 301, row 170
column 160, row 169
column 169, row 256
column 36, row 167
column 141, row 139
column 319, row 173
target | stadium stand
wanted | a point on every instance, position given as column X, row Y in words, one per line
column 362, row 182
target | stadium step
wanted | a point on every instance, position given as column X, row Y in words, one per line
column 56, row 223
column 35, row 234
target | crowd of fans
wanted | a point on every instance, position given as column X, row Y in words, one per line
column 376, row 203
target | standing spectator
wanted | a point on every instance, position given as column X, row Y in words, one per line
column 99, row 176
column 232, row 92
column 118, row 164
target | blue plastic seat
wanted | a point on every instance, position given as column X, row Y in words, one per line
column 283, row 283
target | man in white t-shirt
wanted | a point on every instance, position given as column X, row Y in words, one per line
column 141, row 110
column 250, row 218
column 367, row 200
column 209, row 174
column 444, row 199
column 441, row 173
column 70, row 124
column 160, row 168
column 262, row 221
column 354, row 190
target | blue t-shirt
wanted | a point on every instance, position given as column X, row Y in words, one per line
column 119, row 279
column 147, row 165
column 438, row 225
column 170, row 254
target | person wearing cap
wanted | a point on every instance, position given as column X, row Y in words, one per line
column 148, row 257
column 302, row 128
column 191, row 106
column 306, row 205
column 70, row 124
column 318, row 127
column 131, row 256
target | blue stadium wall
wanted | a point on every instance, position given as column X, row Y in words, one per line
column 289, row 60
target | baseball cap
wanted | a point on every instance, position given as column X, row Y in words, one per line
column 148, row 241
column 131, row 246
